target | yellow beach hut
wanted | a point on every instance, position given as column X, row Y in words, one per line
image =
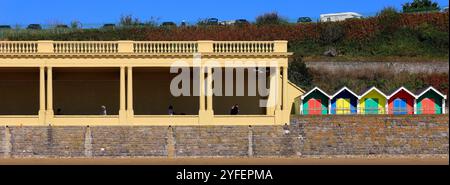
column 372, row 101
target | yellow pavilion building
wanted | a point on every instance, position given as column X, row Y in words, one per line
column 128, row 83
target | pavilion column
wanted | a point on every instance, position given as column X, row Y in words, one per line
column 279, row 113
column 278, row 90
column 122, row 111
column 202, row 89
column 285, row 94
column 49, row 111
column 209, row 90
column 42, row 95
column 286, row 111
column 272, row 102
column 130, row 108
column 205, row 115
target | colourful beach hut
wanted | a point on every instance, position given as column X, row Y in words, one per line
column 372, row 101
column 430, row 101
column 344, row 101
column 401, row 101
column 315, row 102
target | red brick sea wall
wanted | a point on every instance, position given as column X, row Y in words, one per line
column 305, row 136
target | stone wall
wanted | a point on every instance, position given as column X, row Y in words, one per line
column 305, row 136
column 367, row 135
column 412, row 67
column 211, row 141
column 129, row 141
column 2, row 141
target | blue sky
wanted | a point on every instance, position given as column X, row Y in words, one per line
column 103, row 11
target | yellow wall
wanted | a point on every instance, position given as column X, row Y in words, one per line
column 373, row 94
column 294, row 93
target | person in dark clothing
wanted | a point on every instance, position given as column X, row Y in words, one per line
column 234, row 110
column 58, row 112
column 170, row 111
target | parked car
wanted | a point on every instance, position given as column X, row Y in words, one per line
column 241, row 22
column 34, row 27
column 304, row 20
column 109, row 26
column 168, row 24
column 227, row 22
column 61, row 26
column 5, row 27
column 212, row 21
column 209, row 21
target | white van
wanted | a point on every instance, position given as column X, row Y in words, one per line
column 333, row 17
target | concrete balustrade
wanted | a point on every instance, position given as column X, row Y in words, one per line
column 140, row 47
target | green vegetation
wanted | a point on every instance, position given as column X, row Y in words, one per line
column 420, row 6
column 388, row 35
column 299, row 74
column 385, row 79
column 270, row 19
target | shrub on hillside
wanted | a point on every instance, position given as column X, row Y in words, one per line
column 420, row 6
column 331, row 32
column 384, row 79
column 388, row 20
column 299, row 74
column 270, row 19
column 431, row 35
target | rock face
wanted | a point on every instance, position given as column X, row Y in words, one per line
column 332, row 52
column 395, row 67
column 305, row 136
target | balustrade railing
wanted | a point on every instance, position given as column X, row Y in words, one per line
column 140, row 47
column 18, row 47
column 243, row 46
column 85, row 47
column 164, row 47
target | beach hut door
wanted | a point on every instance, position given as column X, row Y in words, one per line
column 428, row 106
column 343, row 106
column 315, row 106
column 400, row 106
column 371, row 106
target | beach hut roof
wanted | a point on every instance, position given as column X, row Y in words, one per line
column 312, row 90
column 423, row 91
column 342, row 89
column 398, row 90
column 295, row 86
column 371, row 89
